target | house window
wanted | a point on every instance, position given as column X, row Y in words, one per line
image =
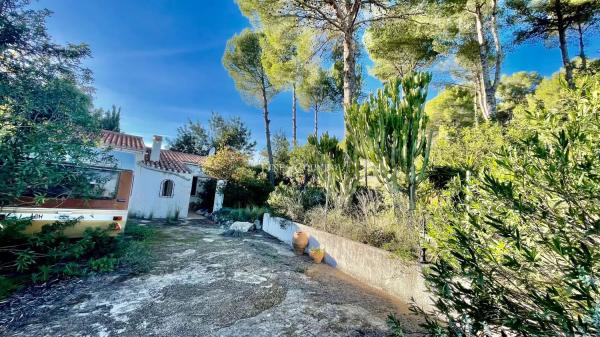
column 166, row 188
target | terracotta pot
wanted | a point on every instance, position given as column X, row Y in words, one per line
column 317, row 255
column 299, row 242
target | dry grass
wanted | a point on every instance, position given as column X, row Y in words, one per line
column 372, row 222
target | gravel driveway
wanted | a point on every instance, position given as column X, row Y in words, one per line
column 205, row 284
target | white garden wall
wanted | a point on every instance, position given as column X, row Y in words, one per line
column 373, row 266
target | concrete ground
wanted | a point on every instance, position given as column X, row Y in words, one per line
column 205, row 284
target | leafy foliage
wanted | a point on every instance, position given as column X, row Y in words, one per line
column 551, row 19
column 521, row 257
column 222, row 133
column 109, row 119
column 338, row 169
column 230, row 133
column 281, row 153
column 399, row 47
column 225, row 164
column 305, row 161
column 318, row 91
column 243, row 61
column 293, row 202
column 251, row 189
column 514, row 90
column 49, row 254
column 191, row 138
column 452, row 107
column 47, row 130
column 246, row 214
column 468, row 149
column 245, row 185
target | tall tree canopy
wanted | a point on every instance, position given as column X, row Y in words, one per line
column 109, row 119
column 287, row 50
column 470, row 29
column 230, row 133
column 342, row 19
column 243, row 61
column 399, row 47
column 47, row 130
column 513, row 91
column 549, row 19
column 191, row 138
column 318, row 92
column 222, row 133
column 453, row 107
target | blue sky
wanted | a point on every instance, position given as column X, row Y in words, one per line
column 160, row 60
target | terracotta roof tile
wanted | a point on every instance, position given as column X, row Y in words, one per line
column 172, row 161
column 184, row 157
column 122, row 140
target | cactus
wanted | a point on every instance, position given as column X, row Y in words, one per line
column 340, row 168
column 390, row 130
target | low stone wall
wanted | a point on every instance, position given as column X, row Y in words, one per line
column 373, row 266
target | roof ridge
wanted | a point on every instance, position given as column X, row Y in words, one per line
column 122, row 140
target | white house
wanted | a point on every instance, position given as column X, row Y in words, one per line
column 165, row 182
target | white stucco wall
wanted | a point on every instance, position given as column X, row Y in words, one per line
column 146, row 201
column 373, row 266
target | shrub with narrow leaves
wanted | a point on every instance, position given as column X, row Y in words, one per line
column 522, row 257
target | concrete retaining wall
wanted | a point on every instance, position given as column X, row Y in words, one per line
column 373, row 266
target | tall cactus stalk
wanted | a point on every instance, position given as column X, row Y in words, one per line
column 340, row 168
column 390, row 129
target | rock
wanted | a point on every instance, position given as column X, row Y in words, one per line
column 257, row 225
column 241, row 226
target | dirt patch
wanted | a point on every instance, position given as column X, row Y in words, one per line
column 204, row 284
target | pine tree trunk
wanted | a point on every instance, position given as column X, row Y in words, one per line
column 581, row 47
column 349, row 69
column 562, row 40
column 488, row 90
column 294, row 98
column 475, row 116
column 316, row 121
column 481, row 96
column 268, row 136
column 498, row 47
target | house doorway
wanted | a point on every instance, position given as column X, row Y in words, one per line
column 202, row 195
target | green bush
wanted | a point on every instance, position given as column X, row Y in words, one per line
column 440, row 176
column 519, row 254
column 8, row 286
column 103, row 264
column 292, row 202
column 250, row 193
column 49, row 254
column 247, row 214
column 136, row 232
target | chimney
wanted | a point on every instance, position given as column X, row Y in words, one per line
column 156, row 144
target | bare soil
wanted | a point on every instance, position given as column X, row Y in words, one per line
column 204, row 284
